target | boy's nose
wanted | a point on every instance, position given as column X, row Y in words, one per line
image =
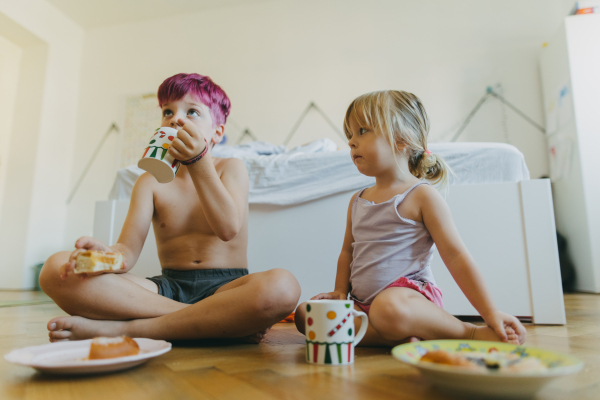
column 173, row 123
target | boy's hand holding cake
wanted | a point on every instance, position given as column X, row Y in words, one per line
column 93, row 257
column 96, row 261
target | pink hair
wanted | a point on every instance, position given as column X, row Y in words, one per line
column 202, row 88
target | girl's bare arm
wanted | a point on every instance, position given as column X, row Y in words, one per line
column 342, row 278
column 438, row 221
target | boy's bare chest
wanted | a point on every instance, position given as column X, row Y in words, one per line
column 178, row 211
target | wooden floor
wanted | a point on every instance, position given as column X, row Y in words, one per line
column 276, row 369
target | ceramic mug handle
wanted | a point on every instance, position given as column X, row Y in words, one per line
column 363, row 326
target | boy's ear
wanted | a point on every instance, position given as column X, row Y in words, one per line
column 218, row 134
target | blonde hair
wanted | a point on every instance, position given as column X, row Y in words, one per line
column 402, row 118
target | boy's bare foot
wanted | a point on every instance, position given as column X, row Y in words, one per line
column 78, row 328
column 487, row 333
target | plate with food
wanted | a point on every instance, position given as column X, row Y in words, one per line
column 489, row 369
column 89, row 356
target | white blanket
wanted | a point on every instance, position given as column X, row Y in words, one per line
column 318, row 170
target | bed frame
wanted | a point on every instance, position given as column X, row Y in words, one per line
column 508, row 228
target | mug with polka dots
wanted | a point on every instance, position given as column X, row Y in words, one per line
column 330, row 336
column 156, row 158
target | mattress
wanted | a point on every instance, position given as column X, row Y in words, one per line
column 316, row 170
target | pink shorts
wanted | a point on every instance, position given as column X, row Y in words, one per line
column 431, row 292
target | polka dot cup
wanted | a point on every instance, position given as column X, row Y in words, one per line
column 156, row 158
column 330, row 336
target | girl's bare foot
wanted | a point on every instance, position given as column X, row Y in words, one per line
column 78, row 328
column 487, row 333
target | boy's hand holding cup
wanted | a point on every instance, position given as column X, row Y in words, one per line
column 188, row 144
column 169, row 148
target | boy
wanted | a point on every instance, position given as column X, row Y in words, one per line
column 200, row 220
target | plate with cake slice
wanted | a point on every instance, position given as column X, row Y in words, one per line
column 90, row 356
column 486, row 369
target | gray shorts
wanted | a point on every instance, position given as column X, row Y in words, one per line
column 191, row 286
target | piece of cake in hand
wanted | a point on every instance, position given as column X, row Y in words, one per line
column 95, row 261
column 105, row 347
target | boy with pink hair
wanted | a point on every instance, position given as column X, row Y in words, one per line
column 200, row 220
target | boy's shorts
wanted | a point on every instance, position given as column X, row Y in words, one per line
column 191, row 286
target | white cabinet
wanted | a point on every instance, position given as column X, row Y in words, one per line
column 570, row 66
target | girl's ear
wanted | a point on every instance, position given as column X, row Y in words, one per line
column 401, row 148
column 218, row 134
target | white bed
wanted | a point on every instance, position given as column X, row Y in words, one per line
column 298, row 202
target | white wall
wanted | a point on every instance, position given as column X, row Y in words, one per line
column 273, row 58
column 10, row 60
column 33, row 212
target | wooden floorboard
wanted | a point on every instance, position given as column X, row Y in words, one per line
column 275, row 369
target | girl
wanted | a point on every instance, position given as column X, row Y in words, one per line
column 392, row 230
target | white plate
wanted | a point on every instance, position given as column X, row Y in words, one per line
column 70, row 357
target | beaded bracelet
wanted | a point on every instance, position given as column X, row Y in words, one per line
column 199, row 156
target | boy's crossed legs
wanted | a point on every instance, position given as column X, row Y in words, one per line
column 399, row 314
column 124, row 304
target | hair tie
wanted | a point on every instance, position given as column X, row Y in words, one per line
column 428, row 152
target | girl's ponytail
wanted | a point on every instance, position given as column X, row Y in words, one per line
column 428, row 166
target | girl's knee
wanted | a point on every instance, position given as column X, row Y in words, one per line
column 389, row 312
column 391, row 320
